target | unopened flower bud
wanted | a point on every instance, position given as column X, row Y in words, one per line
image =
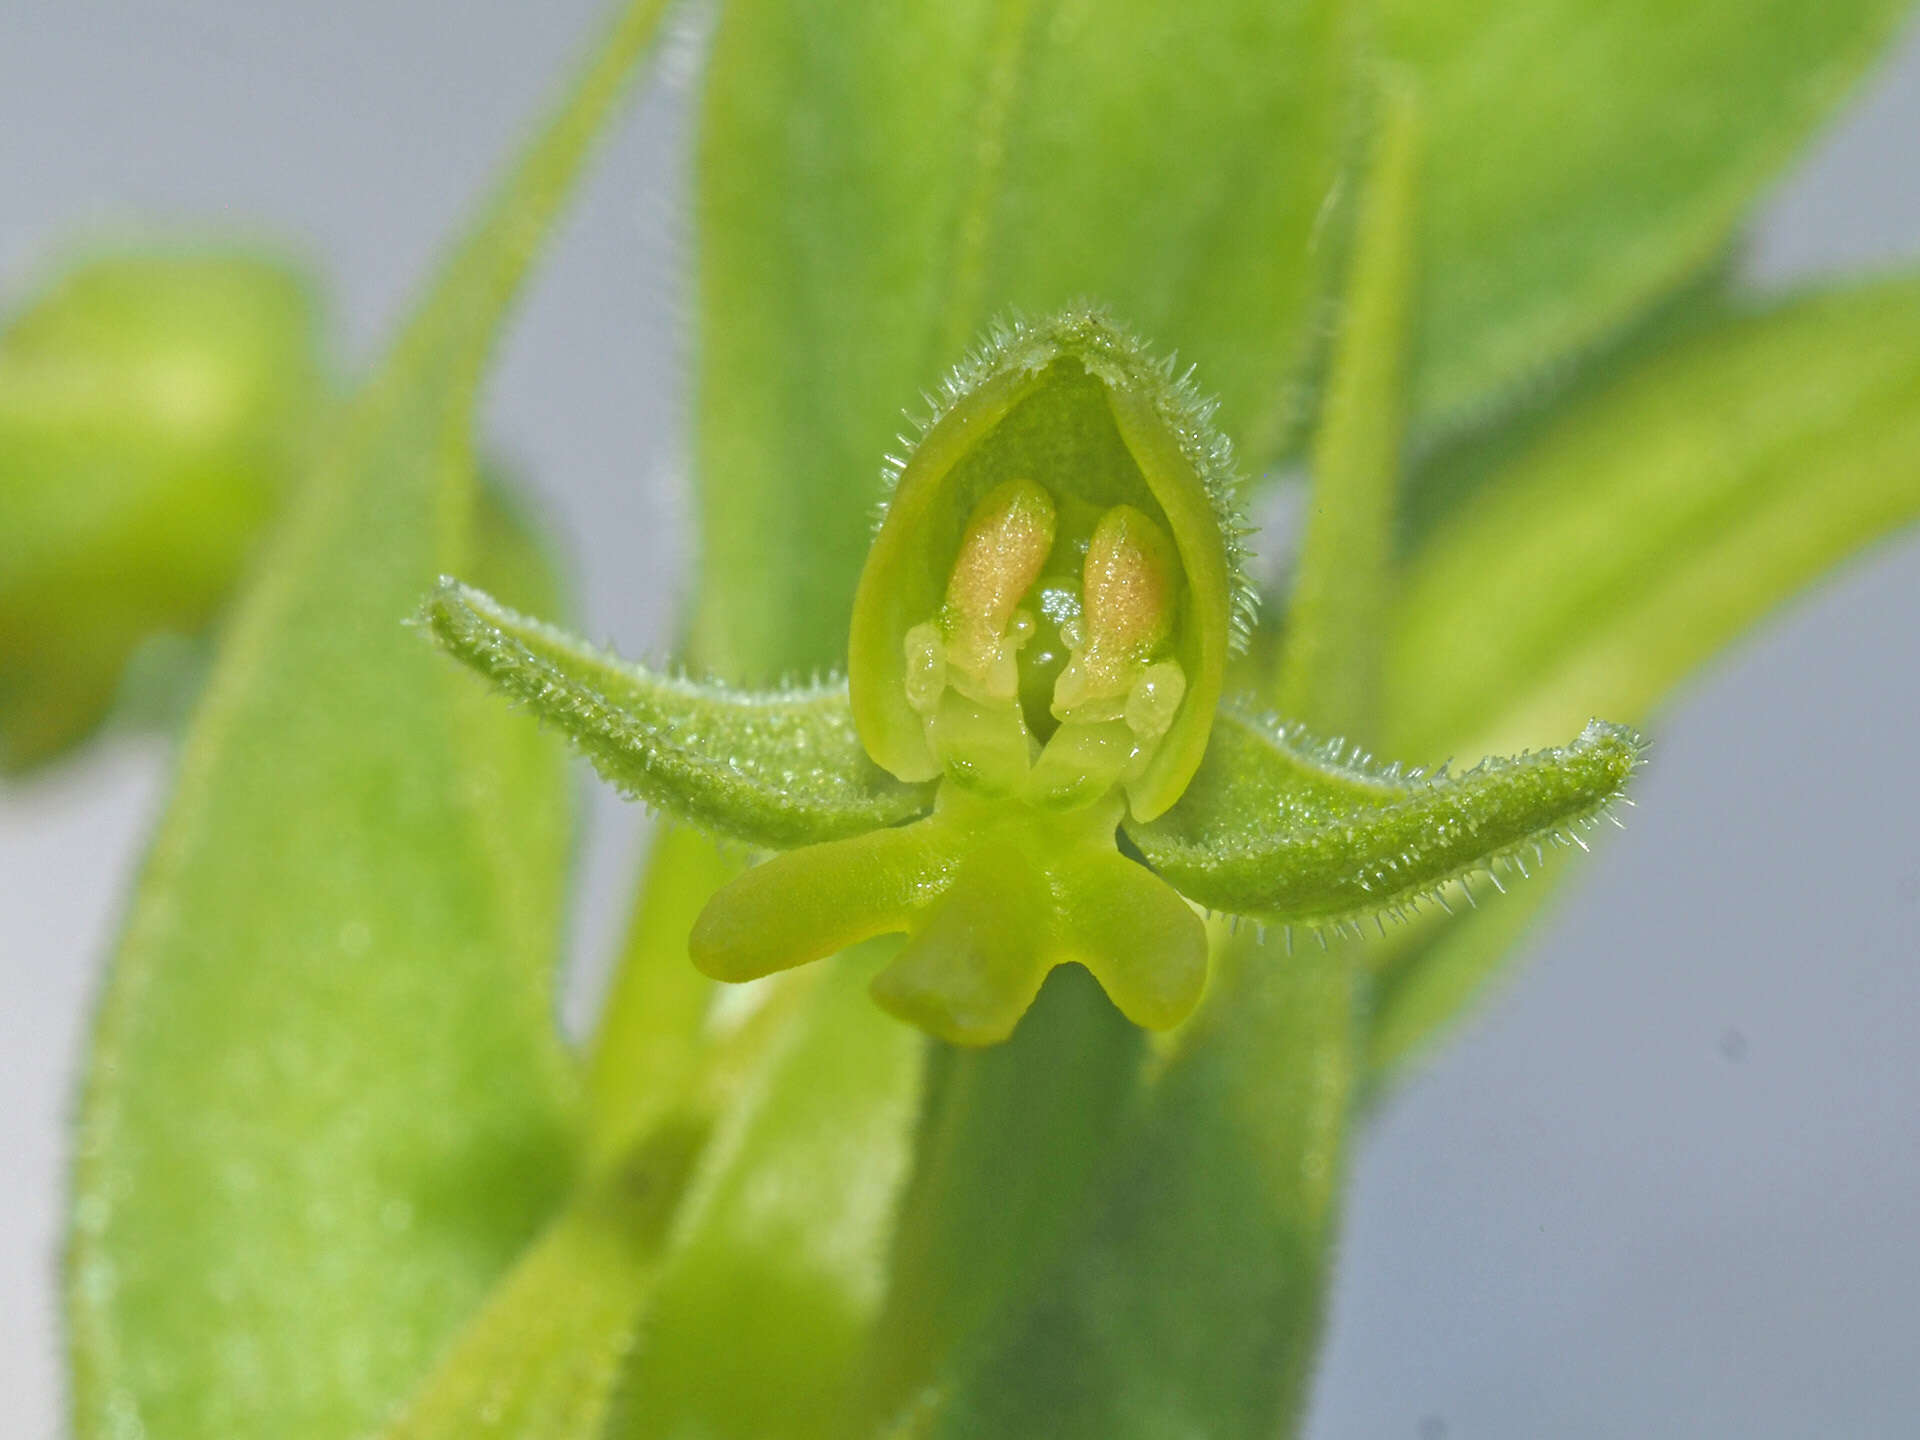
column 151, row 409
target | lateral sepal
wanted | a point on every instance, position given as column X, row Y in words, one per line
column 1280, row 827
column 774, row 769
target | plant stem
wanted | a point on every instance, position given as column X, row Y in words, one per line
column 1010, row 1142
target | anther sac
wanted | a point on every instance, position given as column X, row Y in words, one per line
column 1036, row 661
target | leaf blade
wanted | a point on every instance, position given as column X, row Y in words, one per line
column 1766, row 447
column 1648, row 132
column 1442, row 970
column 1009, row 1159
column 777, row 1260
column 264, row 1100
column 1189, row 1300
column 541, row 1359
column 1329, row 677
column 651, row 1031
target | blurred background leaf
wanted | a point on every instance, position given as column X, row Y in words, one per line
column 1589, row 156
column 1655, row 517
column 1620, row 545
column 327, row 1104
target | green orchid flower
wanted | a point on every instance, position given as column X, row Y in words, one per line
column 336, row 1170
column 1030, row 762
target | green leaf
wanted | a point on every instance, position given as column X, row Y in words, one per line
column 1280, row 827
column 325, row 1100
column 774, row 770
column 542, row 1358
column 1658, row 518
column 651, row 1032
column 1442, row 968
column 152, row 409
column 876, row 184
column 1631, row 536
column 1441, row 477
column 777, row 1260
column 1342, row 593
column 1589, row 155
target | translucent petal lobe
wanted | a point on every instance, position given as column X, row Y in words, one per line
column 1143, row 944
column 819, row 900
column 973, row 968
column 1086, row 408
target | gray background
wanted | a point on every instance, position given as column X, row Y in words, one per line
column 1666, row 1184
